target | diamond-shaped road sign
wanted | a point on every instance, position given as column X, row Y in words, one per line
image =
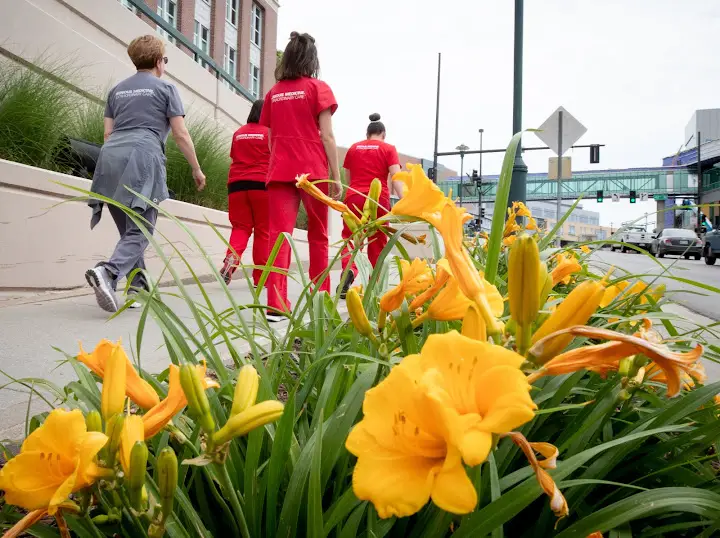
column 572, row 130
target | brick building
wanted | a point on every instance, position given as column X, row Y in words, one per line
column 240, row 35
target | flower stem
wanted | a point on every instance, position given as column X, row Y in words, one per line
column 523, row 336
column 226, row 485
column 419, row 320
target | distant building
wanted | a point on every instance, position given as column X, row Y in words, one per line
column 240, row 35
column 582, row 225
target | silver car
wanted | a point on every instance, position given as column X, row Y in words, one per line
column 677, row 241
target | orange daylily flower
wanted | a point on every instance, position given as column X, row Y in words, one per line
column 420, row 194
column 301, row 182
column 442, row 275
column 55, row 460
column 415, row 277
column 133, row 431
column 449, row 222
column 158, row 417
column 566, row 266
column 436, row 410
column 606, row 357
column 136, row 388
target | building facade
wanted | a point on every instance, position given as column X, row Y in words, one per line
column 239, row 35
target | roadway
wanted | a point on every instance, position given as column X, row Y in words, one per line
column 694, row 298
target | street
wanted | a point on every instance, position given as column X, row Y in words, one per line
column 702, row 301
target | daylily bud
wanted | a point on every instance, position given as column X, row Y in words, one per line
column 197, row 399
column 246, row 389
column 523, row 283
column 114, row 430
column 545, row 284
column 136, row 476
column 357, row 313
column 113, row 388
column 352, row 221
column 576, row 309
column 93, row 420
column 473, row 325
column 167, row 479
column 254, row 417
column 371, row 203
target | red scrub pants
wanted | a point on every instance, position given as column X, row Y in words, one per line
column 284, row 200
column 376, row 242
column 248, row 212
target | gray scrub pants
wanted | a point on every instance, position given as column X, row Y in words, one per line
column 129, row 252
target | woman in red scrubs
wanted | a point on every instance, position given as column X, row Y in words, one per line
column 247, row 195
column 366, row 160
column 298, row 111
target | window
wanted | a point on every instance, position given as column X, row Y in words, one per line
column 572, row 229
column 167, row 10
column 256, row 24
column 255, row 81
column 201, row 39
column 584, row 219
column 128, row 5
column 230, row 61
column 231, row 11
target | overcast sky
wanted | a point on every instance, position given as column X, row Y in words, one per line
column 632, row 71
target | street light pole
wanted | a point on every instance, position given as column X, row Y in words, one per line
column 462, row 148
column 518, row 185
column 479, row 185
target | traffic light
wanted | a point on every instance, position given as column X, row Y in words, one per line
column 600, row 197
column 431, row 173
column 482, row 213
column 594, row 154
column 633, row 198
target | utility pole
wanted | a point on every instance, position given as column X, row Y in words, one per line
column 437, row 120
column 479, row 180
column 559, row 166
column 518, row 185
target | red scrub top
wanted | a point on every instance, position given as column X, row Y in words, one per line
column 291, row 111
column 250, row 154
column 368, row 160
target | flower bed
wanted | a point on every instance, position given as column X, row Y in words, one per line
column 506, row 389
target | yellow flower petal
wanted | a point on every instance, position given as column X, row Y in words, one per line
column 420, row 196
column 133, row 431
column 452, row 490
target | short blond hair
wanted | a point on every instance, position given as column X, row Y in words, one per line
column 146, row 51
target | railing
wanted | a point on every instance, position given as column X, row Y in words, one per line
column 619, row 182
column 711, row 180
column 219, row 72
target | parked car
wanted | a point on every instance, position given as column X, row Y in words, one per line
column 711, row 249
column 677, row 241
column 634, row 235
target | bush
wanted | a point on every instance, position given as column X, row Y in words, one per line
column 35, row 113
column 401, row 426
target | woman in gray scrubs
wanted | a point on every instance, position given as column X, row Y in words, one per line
column 140, row 112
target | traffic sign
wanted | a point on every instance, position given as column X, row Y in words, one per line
column 572, row 130
column 553, row 168
column 660, row 197
column 643, row 197
column 616, row 197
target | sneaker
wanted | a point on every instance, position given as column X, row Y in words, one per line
column 100, row 281
column 345, row 287
column 229, row 265
column 131, row 297
column 275, row 317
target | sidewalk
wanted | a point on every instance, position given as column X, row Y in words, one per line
column 30, row 328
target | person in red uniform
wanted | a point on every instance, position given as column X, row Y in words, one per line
column 366, row 160
column 298, row 111
column 247, row 194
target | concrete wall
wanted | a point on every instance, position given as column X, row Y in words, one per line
column 91, row 37
column 46, row 241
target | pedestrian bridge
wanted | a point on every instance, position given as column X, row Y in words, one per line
column 661, row 182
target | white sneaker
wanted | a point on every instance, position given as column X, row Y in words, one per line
column 135, row 303
column 275, row 318
column 101, row 283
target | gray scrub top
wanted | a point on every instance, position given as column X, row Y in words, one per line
column 134, row 154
